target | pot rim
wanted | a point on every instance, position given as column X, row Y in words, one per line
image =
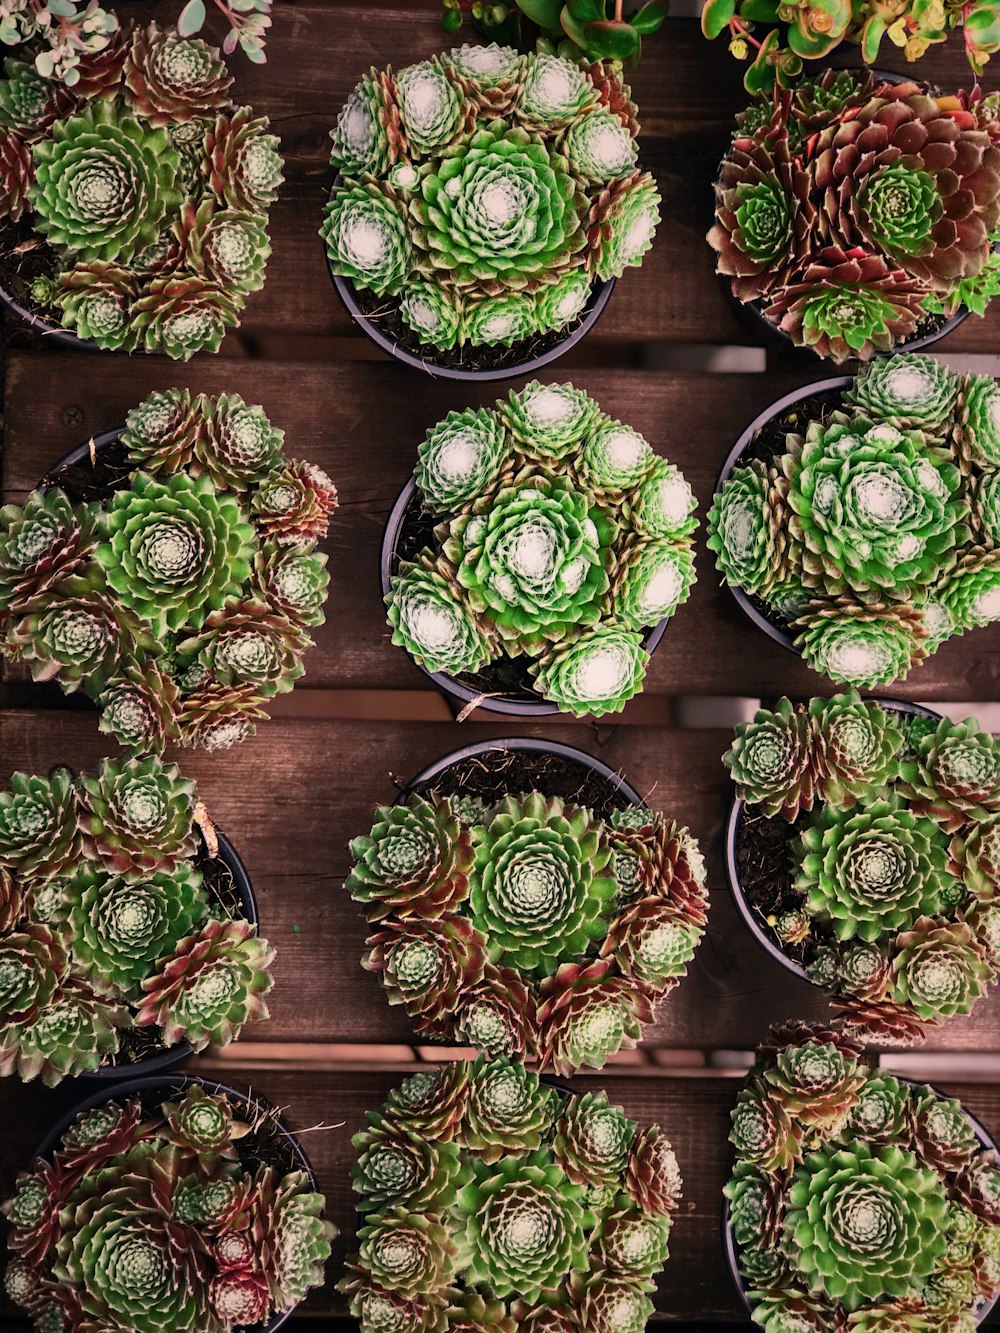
column 734, row 819
column 502, row 703
column 166, row 1082
column 731, row 1249
column 599, row 297
column 530, row 744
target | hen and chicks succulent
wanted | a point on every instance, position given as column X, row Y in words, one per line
column 184, row 601
column 527, row 927
column 109, row 921
column 561, row 538
column 853, row 214
column 858, row 1201
column 490, row 1201
column 892, row 832
column 873, row 536
column 484, row 193
column 157, row 1213
column 149, row 187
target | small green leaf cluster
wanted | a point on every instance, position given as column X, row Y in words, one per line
column 574, row 29
column 872, row 535
column 891, row 827
column 491, row 1201
column 96, row 1223
column 182, row 601
column 528, row 927
column 561, row 538
column 857, row 1199
column 108, row 926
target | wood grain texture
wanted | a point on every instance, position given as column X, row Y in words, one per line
column 363, row 422
column 693, row 1113
column 293, row 797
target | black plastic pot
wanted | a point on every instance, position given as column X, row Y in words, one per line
column 48, row 328
column 408, row 502
column 298, row 1161
column 592, row 311
column 428, row 778
column 731, row 1249
column 750, row 919
column 776, row 409
column 173, row 1055
column 78, row 455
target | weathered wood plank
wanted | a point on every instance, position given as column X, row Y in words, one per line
column 314, row 787
column 363, row 422
column 694, row 1113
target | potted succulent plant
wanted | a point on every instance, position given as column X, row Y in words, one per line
column 858, row 1200
column 170, row 1205
column 864, row 851
column 134, row 192
column 539, row 550
column 484, row 203
column 526, row 902
column 170, row 571
column 857, row 214
column 597, row 29
column 857, row 520
column 128, row 927
column 491, row 1201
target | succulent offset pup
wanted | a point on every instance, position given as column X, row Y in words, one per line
column 870, row 534
column 483, row 193
column 528, row 927
column 181, row 602
column 111, row 920
column 561, row 539
column 166, row 1213
column 889, row 834
column 853, row 215
column 492, row 1202
column 148, row 187
column 858, row 1201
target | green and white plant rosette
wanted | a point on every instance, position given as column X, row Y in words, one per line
column 858, row 1201
column 175, row 1204
column 538, row 551
column 125, row 939
column 483, row 201
column 489, row 1200
column 523, row 922
column 134, row 201
column 864, row 536
column 868, row 845
column 170, row 571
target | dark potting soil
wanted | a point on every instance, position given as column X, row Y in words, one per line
column 383, row 313
column 766, row 869
column 94, row 479
column 495, row 773
column 25, row 256
column 767, row 446
column 138, row 1044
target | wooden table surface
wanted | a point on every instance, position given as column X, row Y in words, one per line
column 292, row 797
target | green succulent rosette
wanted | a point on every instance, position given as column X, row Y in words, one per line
column 433, row 315
column 541, row 887
column 862, row 1225
column 882, row 1112
column 984, row 501
column 430, row 620
column 940, row 969
column 293, row 581
column 871, row 871
column 498, row 207
column 73, row 1033
column 615, row 459
column 549, row 421
column 654, row 579
column 430, row 105
column 595, row 674
column 532, row 559
column 499, row 321
column 858, row 645
column 103, row 183
column 981, row 431
column 599, row 148
column 954, row 776
column 876, row 511
column 39, row 826
column 593, row 1140
column 860, row 745
column 408, row 1252
column 236, row 445
column 137, row 816
column 41, row 541
column 416, row 861
column 624, row 219
column 96, row 300
column 744, row 531
column 175, row 551
column 562, row 303
column 398, row 1168
column 555, row 93
column 24, row 97
column 367, row 239
column 462, row 458
column 975, row 855
column 360, row 140
column 508, row 1112
column 908, row 392
column 774, row 761
column 970, row 592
